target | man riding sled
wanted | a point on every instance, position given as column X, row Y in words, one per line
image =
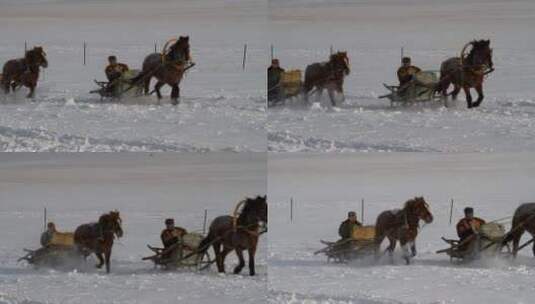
column 468, row 229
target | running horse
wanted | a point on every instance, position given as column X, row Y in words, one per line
column 467, row 72
column 167, row 67
column 402, row 225
column 24, row 71
column 238, row 233
column 523, row 220
column 327, row 75
column 98, row 237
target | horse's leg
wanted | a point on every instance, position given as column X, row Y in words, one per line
column 480, row 96
column 217, row 252
column 241, row 264
column 456, row 90
column 157, row 88
column 252, row 253
column 32, row 92
column 405, row 244
column 331, row 96
column 392, row 245
column 146, row 85
column 413, row 248
column 175, row 94
column 224, row 254
column 100, row 259
column 107, row 255
column 516, row 240
column 377, row 244
column 468, row 97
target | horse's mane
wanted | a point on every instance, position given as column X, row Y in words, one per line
column 413, row 201
column 476, row 45
column 250, row 204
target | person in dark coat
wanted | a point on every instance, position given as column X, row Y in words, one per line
column 274, row 74
column 346, row 227
column 46, row 237
column 405, row 74
column 171, row 234
column 469, row 225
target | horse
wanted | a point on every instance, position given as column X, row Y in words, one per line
column 402, row 225
column 523, row 220
column 24, row 71
column 239, row 233
column 327, row 75
column 98, row 237
column 168, row 67
column 467, row 72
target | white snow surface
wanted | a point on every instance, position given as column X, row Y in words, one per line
column 430, row 31
column 146, row 189
column 222, row 106
column 325, row 187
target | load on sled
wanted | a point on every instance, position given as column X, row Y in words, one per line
column 361, row 243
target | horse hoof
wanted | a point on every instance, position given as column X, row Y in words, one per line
column 252, row 273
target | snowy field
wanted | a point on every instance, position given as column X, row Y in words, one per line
column 146, row 188
column 373, row 32
column 222, row 106
column 325, row 187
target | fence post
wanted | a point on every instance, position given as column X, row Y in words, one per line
column 44, row 219
column 451, row 211
column 244, row 56
column 85, row 47
column 291, row 210
column 204, row 222
column 362, row 211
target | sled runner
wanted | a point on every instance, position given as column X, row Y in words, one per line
column 360, row 244
column 184, row 254
column 60, row 252
column 120, row 87
column 420, row 89
column 486, row 243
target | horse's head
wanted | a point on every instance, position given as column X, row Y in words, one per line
column 114, row 222
column 37, row 57
column 419, row 207
column 340, row 61
column 180, row 49
column 255, row 210
column 480, row 54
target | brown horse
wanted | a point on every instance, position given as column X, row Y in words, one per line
column 24, row 71
column 327, row 75
column 167, row 67
column 402, row 225
column 229, row 233
column 98, row 237
column 467, row 71
column 523, row 220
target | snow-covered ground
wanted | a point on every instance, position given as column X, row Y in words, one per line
column 430, row 31
column 325, row 187
column 222, row 106
column 146, row 189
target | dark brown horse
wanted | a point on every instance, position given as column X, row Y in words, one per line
column 98, row 237
column 24, row 71
column 467, row 71
column 523, row 220
column 327, row 75
column 167, row 67
column 402, row 225
column 237, row 233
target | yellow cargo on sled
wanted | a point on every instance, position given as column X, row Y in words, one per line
column 363, row 233
column 65, row 239
column 291, row 83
